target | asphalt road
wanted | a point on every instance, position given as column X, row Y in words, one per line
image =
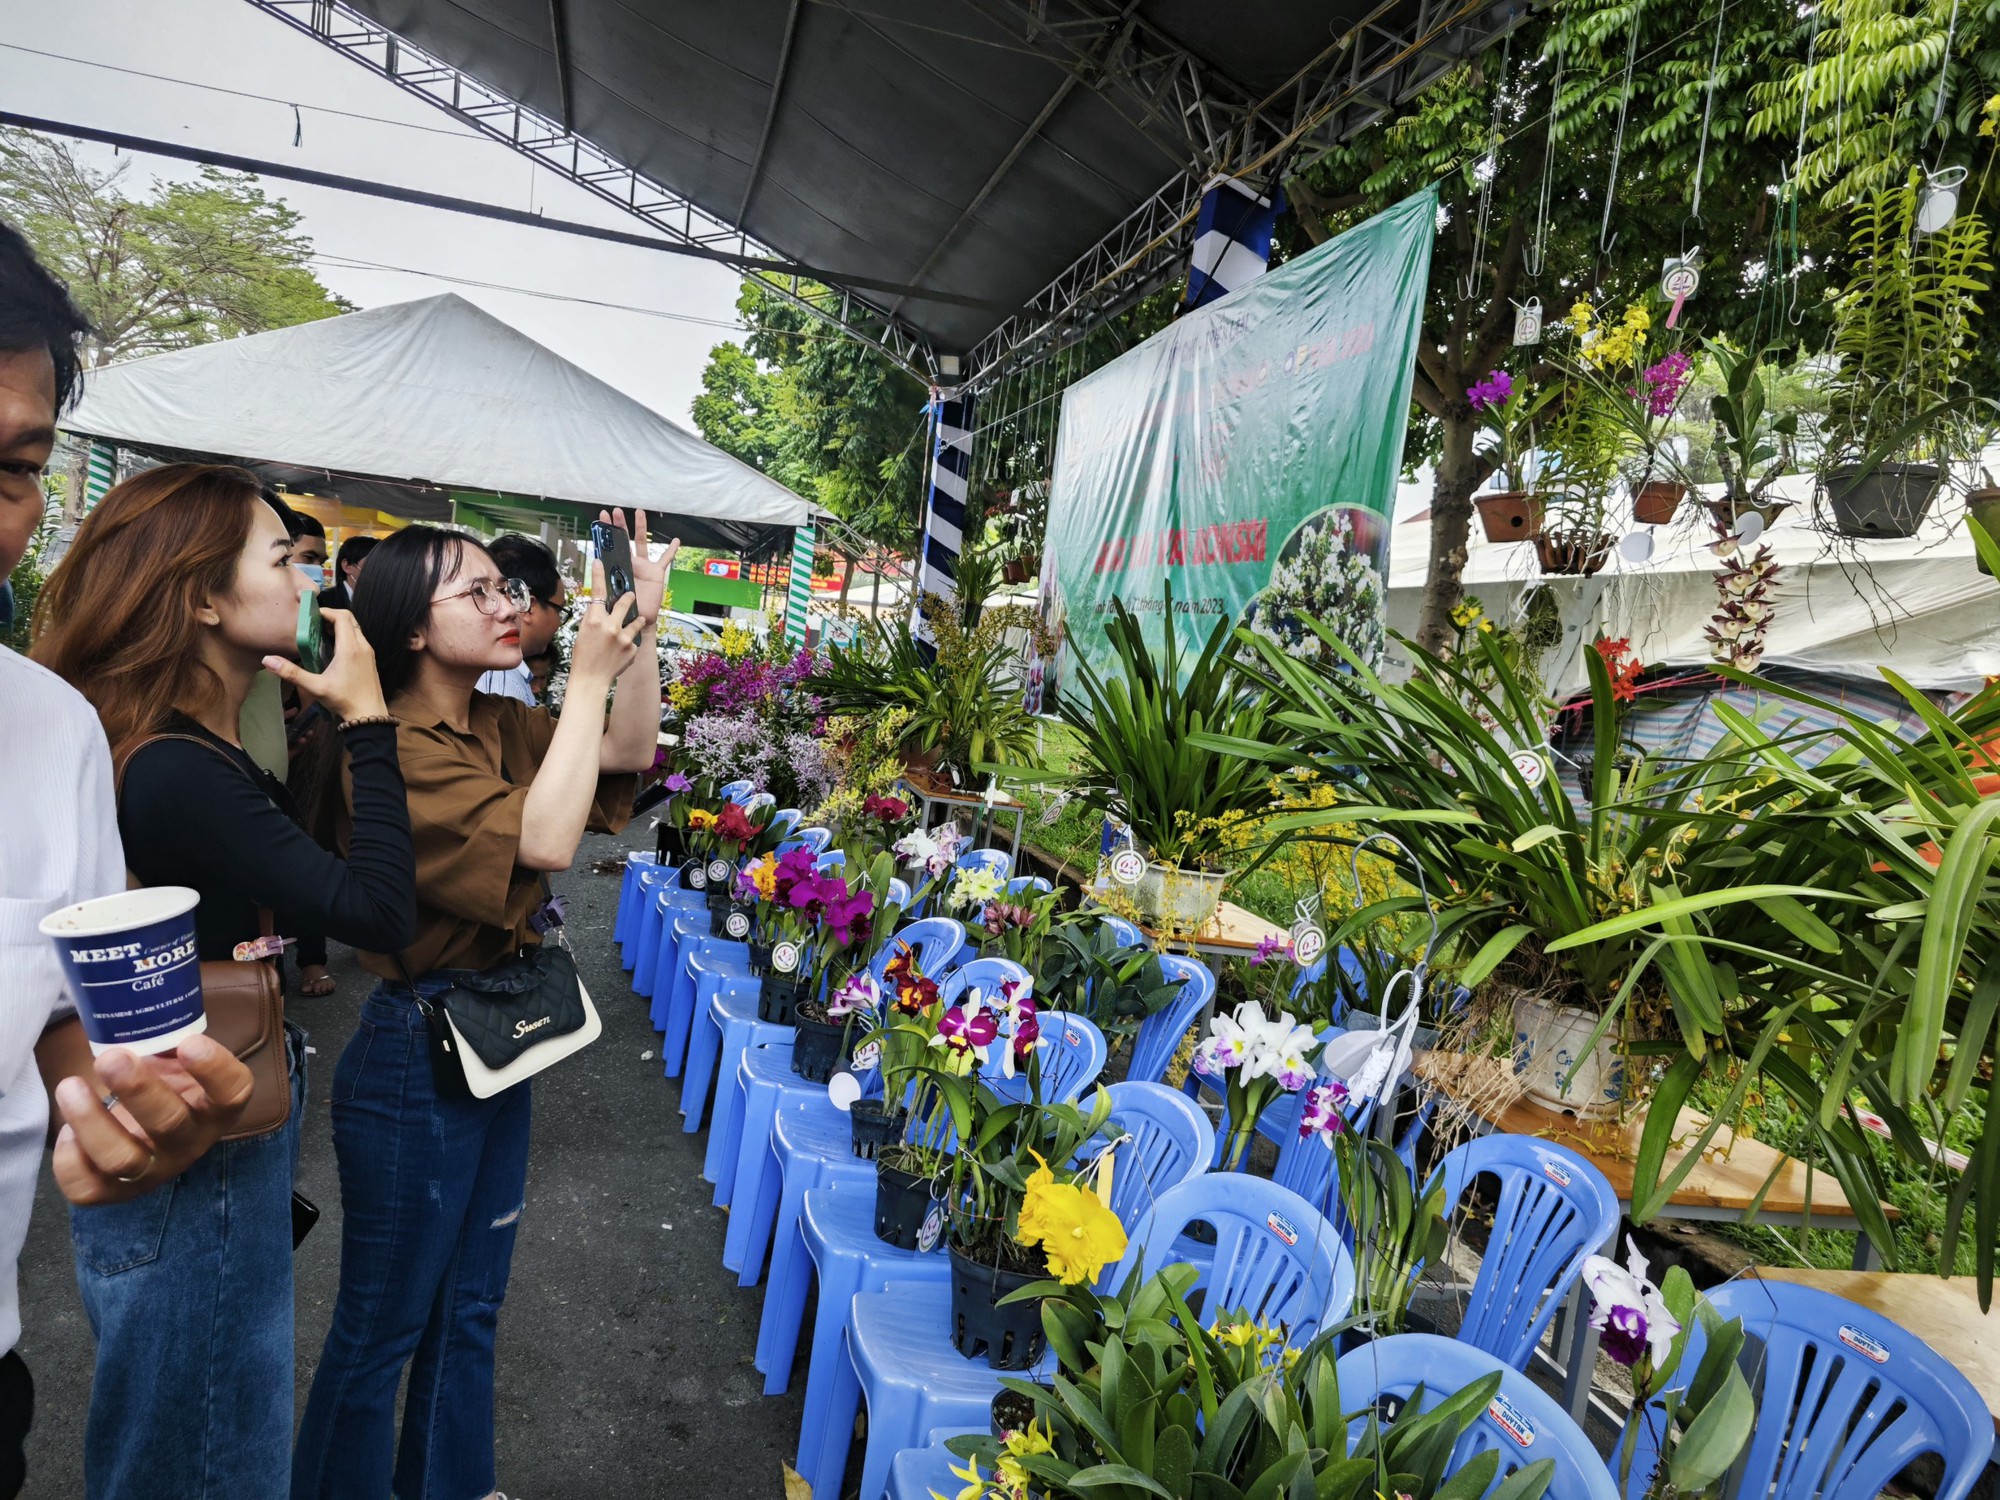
column 624, row 1350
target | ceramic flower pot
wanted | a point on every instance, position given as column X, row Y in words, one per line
column 1573, row 556
column 1982, row 509
column 874, row 1125
column 1555, row 1063
column 902, row 1203
column 1181, row 900
column 1009, row 1336
column 1021, row 570
column 1655, row 502
column 1890, row 500
column 1510, row 516
column 817, row 1047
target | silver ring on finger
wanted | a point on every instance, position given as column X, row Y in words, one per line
column 152, row 1159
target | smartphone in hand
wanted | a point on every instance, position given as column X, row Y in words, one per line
column 614, row 550
column 311, row 636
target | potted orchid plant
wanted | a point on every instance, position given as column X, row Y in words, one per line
column 1254, row 1060
column 930, row 855
column 842, row 914
column 890, row 1043
column 1017, row 928
column 1512, row 513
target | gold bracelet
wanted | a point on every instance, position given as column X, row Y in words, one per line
column 346, row 724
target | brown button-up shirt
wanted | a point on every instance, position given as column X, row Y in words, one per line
column 473, row 900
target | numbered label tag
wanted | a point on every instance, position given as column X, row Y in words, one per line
column 932, row 1229
column 1308, row 943
column 785, row 957
column 1679, row 277
column 697, row 878
column 1127, row 866
column 1528, row 321
column 737, row 925
column 866, row 1056
column 718, row 870
column 843, row 1090
column 1534, row 770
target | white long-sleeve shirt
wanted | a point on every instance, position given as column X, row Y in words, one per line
column 58, row 845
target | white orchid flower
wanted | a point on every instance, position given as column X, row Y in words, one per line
column 1627, row 1310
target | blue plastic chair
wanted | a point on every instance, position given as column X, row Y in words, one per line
column 1023, row 883
column 622, row 925
column 759, row 801
column 1160, row 1034
column 739, row 791
column 1524, row 1424
column 815, row 838
column 696, row 953
column 661, row 899
column 1554, row 1209
column 999, row 861
column 753, row 1209
column 1846, row 1399
column 786, row 819
column 899, row 1335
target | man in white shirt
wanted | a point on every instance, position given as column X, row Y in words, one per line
column 59, row 844
column 524, row 558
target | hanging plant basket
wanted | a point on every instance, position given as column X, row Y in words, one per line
column 902, row 1202
column 1021, row 570
column 1510, row 516
column 1982, row 509
column 1890, row 500
column 1733, row 508
column 818, row 1045
column 1655, row 502
column 1009, row 1336
column 1573, row 556
column 874, row 1125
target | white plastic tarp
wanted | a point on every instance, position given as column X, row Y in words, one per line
column 435, row 392
column 1918, row 605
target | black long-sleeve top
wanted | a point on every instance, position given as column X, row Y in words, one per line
column 228, row 829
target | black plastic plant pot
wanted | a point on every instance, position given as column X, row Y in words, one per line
column 673, row 845
column 817, row 1048
column 778, row 999
column 1890, row 500
column 874, row 1125
column 1009, row 1336
column 1010, row 1411
column 732, row 921
column 693, row 876
column 760, row 960
column 902, row 1203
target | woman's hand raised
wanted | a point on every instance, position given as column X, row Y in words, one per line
column 349, row 686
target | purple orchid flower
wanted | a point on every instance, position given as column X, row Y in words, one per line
column 677, row 782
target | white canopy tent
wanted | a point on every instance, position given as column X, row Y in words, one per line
column 1846, row 608
column 398, row 406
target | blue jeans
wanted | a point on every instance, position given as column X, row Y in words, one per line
column 189, row 1291
column 431, row 1194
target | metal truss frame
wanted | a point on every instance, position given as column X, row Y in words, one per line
column 1216, row 127
column 492, row 114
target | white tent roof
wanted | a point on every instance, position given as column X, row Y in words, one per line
column 436, row 394
column 1918, row 605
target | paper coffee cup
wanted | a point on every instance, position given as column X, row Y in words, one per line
column 133, row 967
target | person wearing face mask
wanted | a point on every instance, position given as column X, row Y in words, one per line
column 175, row 594
column 432, row 1184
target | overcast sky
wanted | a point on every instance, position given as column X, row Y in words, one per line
column 226, row 44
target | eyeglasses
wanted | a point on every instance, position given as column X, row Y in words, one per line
column 487, row 594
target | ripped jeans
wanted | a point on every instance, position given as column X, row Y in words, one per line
column 431, row 1196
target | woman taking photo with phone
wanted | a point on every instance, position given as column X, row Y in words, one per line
column 432, row 1179
column 177, row 590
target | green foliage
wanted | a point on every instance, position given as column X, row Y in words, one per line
column 1138, row 757
column 820, row 413
column 1147, row 1402
column 190, row 263
column 1397, row 1230
column 1754, row 442
column 1087, row 971
column 1699, row 1427
column 965, row 704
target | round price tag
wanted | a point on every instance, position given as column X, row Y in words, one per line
column 785, row 957
column 1128, row 865
column 718, row 870
column 1308, row 943
column 932, row 1229
column 866, row 1056
column 697, row 877
column 843, row 1090
column 737, row 925
column 1532, row 767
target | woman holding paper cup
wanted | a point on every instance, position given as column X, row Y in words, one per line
column 176, row 592
column 432, row 1184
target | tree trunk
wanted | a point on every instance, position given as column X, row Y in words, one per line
column 1459, row 472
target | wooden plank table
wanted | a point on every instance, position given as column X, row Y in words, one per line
column 933, row 791
column 1942, row 1311
column 1231, row 933
column 1721, row 1188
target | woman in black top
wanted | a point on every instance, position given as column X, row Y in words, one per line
column 177, row 591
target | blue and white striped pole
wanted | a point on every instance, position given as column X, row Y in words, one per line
column 1232, row 241
column 944, row 507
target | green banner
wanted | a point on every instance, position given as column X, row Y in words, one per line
column 1249, row 453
